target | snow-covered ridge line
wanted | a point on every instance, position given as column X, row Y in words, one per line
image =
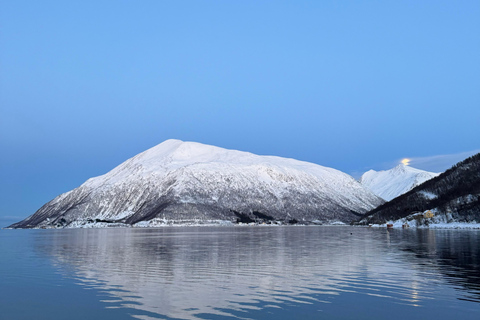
column 389, row 184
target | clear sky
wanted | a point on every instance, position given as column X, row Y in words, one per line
column 354, row 85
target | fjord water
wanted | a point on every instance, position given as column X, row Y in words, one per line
column 293, row 272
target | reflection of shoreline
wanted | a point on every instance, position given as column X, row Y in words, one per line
column 180, row 272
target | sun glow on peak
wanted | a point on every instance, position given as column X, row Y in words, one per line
column 406, row 161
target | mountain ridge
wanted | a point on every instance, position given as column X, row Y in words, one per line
column 389, row 184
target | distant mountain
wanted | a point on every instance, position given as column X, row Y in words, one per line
column 453, row 196
column 187, row 182
column 391, row 183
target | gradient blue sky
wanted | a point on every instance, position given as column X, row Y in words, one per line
column 353, row 85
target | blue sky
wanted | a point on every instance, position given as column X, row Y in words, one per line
column 354, row 85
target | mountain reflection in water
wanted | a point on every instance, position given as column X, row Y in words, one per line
column 267, row 272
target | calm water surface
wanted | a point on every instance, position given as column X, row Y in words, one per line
column 240, row 273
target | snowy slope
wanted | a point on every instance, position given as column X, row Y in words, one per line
column 389, row 184
column 453, row 198
column 187, row 181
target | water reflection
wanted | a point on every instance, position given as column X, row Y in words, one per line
column 454, row 253
column 192, row 273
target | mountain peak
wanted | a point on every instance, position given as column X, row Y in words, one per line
column 404, row 167
column 389, row 184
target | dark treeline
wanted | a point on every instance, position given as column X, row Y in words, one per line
column 457, row 192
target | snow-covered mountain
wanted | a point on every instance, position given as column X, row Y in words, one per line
column 391, row 183
column 451, row 197
column 187, row 182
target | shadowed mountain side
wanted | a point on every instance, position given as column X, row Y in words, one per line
column 455, row 194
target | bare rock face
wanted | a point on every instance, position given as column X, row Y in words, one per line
column 185, row 182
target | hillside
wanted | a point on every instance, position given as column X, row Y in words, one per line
column 454, row 194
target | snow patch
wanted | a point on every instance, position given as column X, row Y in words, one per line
column 428, row 195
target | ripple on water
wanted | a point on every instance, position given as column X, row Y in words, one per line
column 263, row 273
